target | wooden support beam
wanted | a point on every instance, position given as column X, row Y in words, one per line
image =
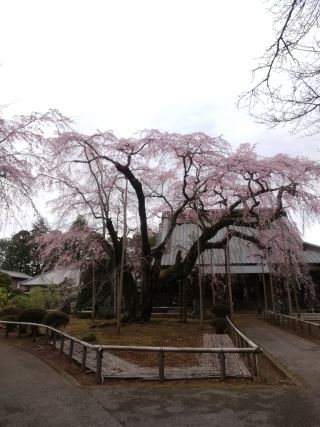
column 161, row 365
column 84, row 358
column 222, row 361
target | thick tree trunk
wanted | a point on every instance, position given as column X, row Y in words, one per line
column 130, row 296
column 147, row 293
column 151, row 270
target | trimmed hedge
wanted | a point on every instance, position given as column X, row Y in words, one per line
column 56, row 319
column 10, row 310
column 32, row 315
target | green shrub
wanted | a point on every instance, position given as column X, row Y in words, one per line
column 20, row 301
column 56, row 319
column 10, row 318
column 220, row 325
column 16, row 292
column 89, row 337
column 220, row 310
column 10, row 310
column 32, row 315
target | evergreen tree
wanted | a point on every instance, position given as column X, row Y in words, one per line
column 4, row 243
column 18, row 253
column 18, row 256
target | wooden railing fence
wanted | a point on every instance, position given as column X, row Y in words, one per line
column 294, row 323
column 246, row 348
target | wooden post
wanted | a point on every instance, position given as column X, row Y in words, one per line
column 248, row 360
column 54, row 340
column 264, row 286
column 256, row 356
column 271, row 283
column 99, row 365
column 71, row 350
column 115, row 297
column 199, row 268
column 253, row 365
column 222, row 361
column 93, row 307
column 212, row 281
column 227, row 261
column 84, row 358
column 123, row 255
column 161, row 365
column 288, row 287
column 61, row 344
column 184, row 301
column 180, row 301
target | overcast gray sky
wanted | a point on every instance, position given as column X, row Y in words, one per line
column 127, row 65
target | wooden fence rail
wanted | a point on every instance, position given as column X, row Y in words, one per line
column 246, row 348
column 292, row 322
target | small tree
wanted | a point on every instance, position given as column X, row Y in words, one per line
column 45, row 298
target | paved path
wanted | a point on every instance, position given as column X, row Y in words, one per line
column 33, row 394
column 299, row 355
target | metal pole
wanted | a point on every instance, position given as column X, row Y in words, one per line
column 123, row 250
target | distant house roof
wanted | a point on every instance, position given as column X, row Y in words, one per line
column 55, row 277
column 16, row 274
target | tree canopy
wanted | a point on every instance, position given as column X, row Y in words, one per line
column 21, row 160
column 193, row 176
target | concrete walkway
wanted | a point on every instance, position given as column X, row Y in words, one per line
column 299, row 355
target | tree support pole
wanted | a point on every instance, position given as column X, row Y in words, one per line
column 123, row 250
